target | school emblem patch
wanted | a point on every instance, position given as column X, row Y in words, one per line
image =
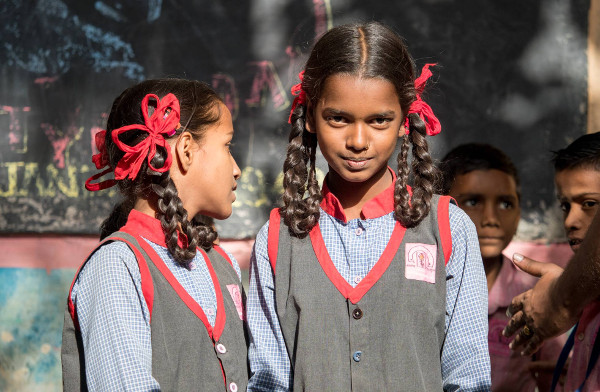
column 236, row 296
column 420, row 262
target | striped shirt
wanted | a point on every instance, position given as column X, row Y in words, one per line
column 354, row 247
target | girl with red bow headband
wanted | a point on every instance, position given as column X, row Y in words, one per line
column 365, row 283
column 157, row 305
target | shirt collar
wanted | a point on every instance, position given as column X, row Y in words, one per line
column 380, row 205
column 146, row 226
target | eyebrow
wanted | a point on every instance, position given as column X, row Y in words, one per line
column 580, row 196
column 338, row 112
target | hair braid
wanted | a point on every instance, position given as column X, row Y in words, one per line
column 172, row 216
column 300, row 214
column 426, row 175
column 401, row 195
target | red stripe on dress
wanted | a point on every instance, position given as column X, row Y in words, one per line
column 443, row 216
column 213, row 333
column 222, row 253
column 273, row 237
column 355, row 294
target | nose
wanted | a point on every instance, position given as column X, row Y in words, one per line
column 490, row 215
column 573, row 219
column 358, row 139
column 237, row 173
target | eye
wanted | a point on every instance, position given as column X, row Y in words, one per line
column 565, row 207
column 506, row 205
column 228, row 146
column 381, row 122
column 469, row 203
column 336, row 120
column 589, row 204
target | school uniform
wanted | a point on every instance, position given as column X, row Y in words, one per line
column 584, row 338
column 509, row 368
column 137, row 320
column 367, row 305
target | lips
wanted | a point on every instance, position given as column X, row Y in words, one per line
column 575, row 241
column 356, row 163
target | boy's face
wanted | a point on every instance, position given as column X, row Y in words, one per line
column 490, row 199
column 579, row 194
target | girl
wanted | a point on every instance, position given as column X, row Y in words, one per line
column 157, row 306
column 366, row 284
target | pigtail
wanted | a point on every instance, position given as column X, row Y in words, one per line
column 426, row 175
column 300, row 214
column 172, row 215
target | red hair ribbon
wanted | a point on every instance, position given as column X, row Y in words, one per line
column 432, row 124
column 300, row 96
column 162, row 124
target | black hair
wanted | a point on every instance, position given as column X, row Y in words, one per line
column 369, row 50
column 199, row 109
column 468, row 157
column 584, row 152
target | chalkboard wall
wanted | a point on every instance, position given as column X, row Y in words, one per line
column 511, row 73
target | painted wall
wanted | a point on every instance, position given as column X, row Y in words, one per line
column 513, row 74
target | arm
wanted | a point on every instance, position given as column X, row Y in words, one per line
column 270, row 366
column 556, row 301
column 465, row 357
column 113, row 318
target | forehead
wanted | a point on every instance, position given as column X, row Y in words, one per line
column 576, row 181
column 485, row 182
column 355, row 93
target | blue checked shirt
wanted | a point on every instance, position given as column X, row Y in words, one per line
column 114, row 318
column 355, row 246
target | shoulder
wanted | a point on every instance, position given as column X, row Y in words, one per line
column 110, row 260
column 460, row 223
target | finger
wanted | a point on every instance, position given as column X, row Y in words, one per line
column 530, row 266
column 516, row 304
column 532, row 346
column 514, row 324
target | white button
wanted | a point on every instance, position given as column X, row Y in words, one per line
column 192, row 266
column 357, row 279
column 233, row 387
column 358, row 231
column 221, row 349
column 581, row 336
column 210, row 311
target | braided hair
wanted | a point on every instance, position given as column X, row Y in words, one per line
column 197, row 102
column 369, row 50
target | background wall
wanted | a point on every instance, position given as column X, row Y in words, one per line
column 511, row 73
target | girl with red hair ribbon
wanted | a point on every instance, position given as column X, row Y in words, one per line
column 157, row 305
column 364, row 283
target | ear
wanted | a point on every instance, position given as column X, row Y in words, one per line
column 402, row 130
column 309, row 122
column 184, row 148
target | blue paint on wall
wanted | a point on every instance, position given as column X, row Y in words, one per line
column 32, row 304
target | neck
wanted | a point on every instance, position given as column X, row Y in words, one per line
column 492, row 268
column 144, row 206
column 354, row 195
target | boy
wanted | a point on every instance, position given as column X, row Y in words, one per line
column 577, row 178
column 485, row 183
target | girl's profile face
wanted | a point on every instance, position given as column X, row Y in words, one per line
column 211, row 180
column 357, row 122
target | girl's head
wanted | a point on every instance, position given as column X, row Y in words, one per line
column 356, row 97
column 167, row 142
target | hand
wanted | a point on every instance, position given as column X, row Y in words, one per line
column 537, row 309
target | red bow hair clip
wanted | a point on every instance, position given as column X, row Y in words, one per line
column 299, row 94
column 162, row 124
column 432, row 124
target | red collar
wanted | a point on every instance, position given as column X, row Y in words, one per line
column 146, row 226
column 380, row 205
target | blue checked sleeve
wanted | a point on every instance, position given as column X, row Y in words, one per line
column 270, row 366
column 113, row 318
column 465, row 356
